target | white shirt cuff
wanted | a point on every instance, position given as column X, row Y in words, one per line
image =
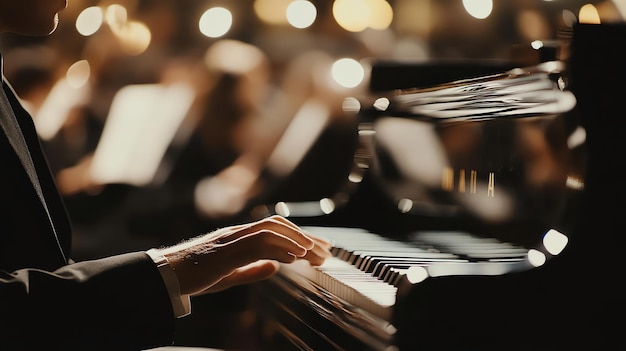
column 180, row 303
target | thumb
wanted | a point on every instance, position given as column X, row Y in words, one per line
column 250, row 273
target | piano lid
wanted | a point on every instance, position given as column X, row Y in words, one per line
column 499, row 156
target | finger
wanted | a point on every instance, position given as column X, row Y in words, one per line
column 321, row 242
column 261, row 245
column 292, row 230
column 248, row 274
column 318, row 254
column 272, row 245
column 285, row 221
column 314, row 258
column 275, row 224
column 225, row 257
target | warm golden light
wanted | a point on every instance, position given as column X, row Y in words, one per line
column 577, row 138
column 215, row 22
column 351, row 104
column 569, row 18
column 233, row 56
column 348, row 72
column 416, row 274
column 381, row 104
column 116, row 17
column 381, row 14
column 272, row 11
column 355, row 177
column 574, row 182
column 78, row 74
column 588, row 14
column 536, row 44
column 480, row 9
column 327, row 206
column 554, row 242
column 282, row 209
column 55, row 109
column 358, row 15
column 89, row 20
column 135, row 37
column 301, row 13
column 405, row 205
column 352, row 15
column 536, row 257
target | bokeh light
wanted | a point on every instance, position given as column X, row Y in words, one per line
column 348, row 72
column 89, row 21
column 555, row 242
column 78, row 74
column 301, row 13
column 589, row 14
column 382, row 14
column 215, row 22
column 272, row 11
column 479, row 9
column 358, row 15
column 233, row 56
column 352, row 15
column 116, row 17
column 134, row 37
column 536, row 257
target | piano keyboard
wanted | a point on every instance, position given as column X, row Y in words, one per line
column 367, row 269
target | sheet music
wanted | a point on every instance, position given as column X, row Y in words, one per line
column 55, row 109
column 141, row 123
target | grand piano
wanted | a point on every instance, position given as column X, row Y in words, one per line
column 418, row 266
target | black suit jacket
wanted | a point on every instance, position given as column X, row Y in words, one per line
column 46, row 300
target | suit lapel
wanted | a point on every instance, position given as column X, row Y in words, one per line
column 9, row 124
column 13, row 132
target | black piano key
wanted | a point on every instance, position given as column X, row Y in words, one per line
column 370, row 263
column 368, row 267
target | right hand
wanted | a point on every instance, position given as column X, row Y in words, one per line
column 241, row 254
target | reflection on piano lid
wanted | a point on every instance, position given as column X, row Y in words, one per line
column 501, row 155
column 483, row 175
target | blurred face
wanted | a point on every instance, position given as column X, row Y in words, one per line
column 30, row 17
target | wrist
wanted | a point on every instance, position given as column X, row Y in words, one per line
column 181, row 304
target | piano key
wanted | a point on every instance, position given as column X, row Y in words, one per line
column 367, row 269
column 367, row 256
column 369, row 264
column 341, row 280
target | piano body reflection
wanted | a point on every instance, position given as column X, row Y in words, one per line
column 476, row 178
column 417, row 267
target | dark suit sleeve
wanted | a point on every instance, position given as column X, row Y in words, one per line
column 115, row 303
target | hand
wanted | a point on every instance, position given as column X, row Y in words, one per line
column 241, row 254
